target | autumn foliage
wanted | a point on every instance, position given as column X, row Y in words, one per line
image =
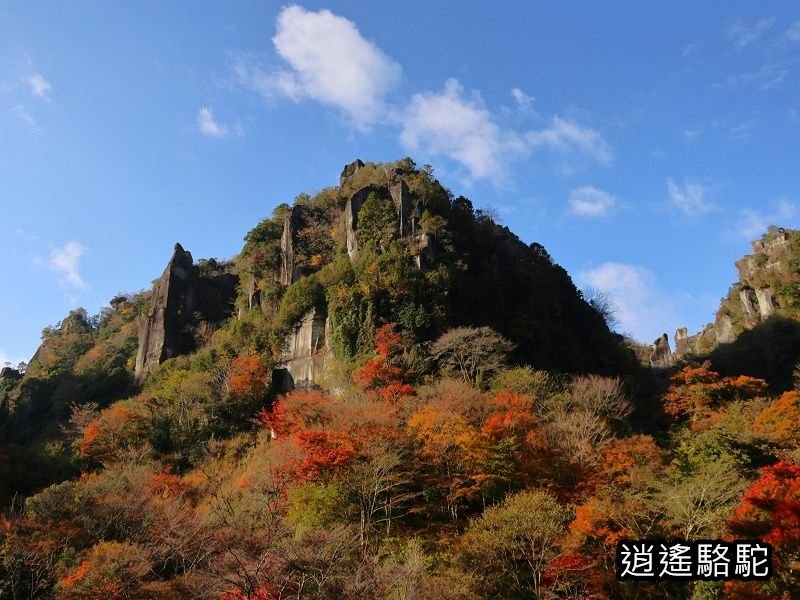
column 247, row 378
column 380, row 373
column 695, row 391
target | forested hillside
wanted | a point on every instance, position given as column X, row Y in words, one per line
column 386, row 394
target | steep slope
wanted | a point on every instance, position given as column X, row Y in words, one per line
column 756, row 329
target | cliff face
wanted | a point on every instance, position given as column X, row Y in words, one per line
column 182, row 299
column 306, row 348
column 304, row 353
column 766, row 287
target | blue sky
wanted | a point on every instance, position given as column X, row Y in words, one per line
column 642, row 145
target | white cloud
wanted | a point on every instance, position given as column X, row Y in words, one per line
column 524, row 102
column 752, row 223
column 744, row 35
column 65, row 262
column 453, row 124
column 40, row 87
column 688, row 198
column 460, row 128
column 588, row 201
column 567, row 136
column 330, row 62
column 208, row 126
column 641, row 310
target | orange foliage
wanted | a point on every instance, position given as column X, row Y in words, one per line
column 107, row 435
column 390, row 382
column 695, row 391
column 770, row 509
column 165, row 485
column 265, row 592
column 325, row 452
column 514, row 416
column 780, row 420
column 620, row 456
column 77, row 575
column 247, row 379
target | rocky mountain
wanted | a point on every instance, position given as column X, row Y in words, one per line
column 764, row 300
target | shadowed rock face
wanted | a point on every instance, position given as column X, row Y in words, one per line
column 182, row 298
column 10, row 374
column 751, row 299
column 661, row 358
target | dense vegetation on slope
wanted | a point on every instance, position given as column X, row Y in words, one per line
column 478, row 433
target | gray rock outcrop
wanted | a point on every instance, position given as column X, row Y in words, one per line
column 422, row 245
column 350, row 170
column 661, row 357
column 751, row 301
column 182, row 299
column 289, row 269
column 304, row 353
column 10, row 374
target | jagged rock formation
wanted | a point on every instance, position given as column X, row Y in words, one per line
column 10, row 374
column 661, row 357
column 182, row 298
column 289, row 270
column 350, row 170
column 351, row 210
column 751, row 300
column 304, row 353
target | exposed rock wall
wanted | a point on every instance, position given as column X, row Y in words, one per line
column 304, row 353
column 422, row 245
column 350, row 170
column 751, row 300
column 182, row 298
column 289, row 269
column 661, row 357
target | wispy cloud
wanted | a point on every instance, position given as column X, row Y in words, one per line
column 588, row 201
column 523, row 100
column 690, row 49
column 328, row 61
column 23, row 115
column 568, row 136
column 208, row 126
column 65, row 262
column 642, row 310
column 753, row 223
column 743, row 34
column 458, row 125
column 39, row 86
column 688, row 198
column 770, row 76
